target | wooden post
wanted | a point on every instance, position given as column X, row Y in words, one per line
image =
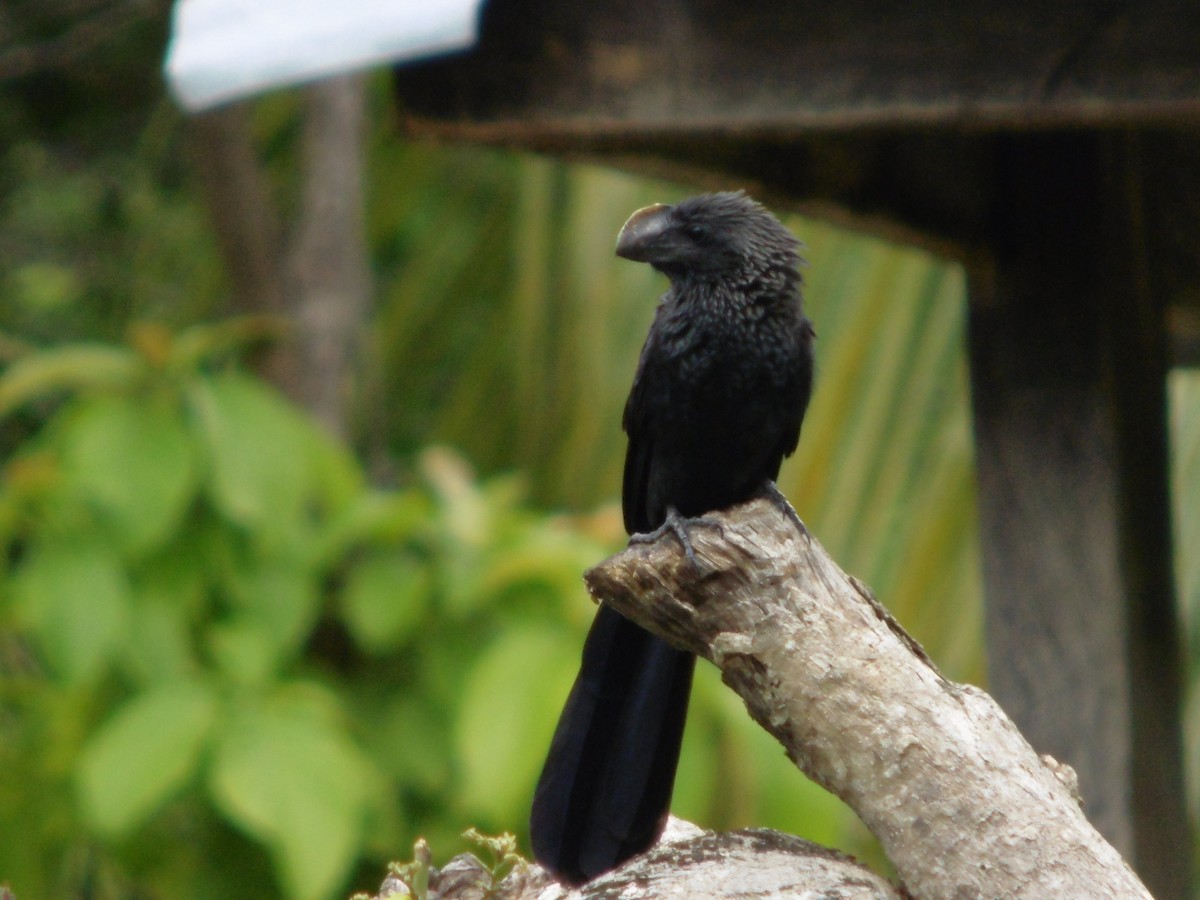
column 1066, row 350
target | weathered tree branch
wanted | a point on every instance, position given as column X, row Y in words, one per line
column 962, row 804
column 687, row 862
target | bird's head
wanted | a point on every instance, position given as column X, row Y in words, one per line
column 712, row 236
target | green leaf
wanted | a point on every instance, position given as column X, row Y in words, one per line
column 339, row 477
column 159, row 644
column 546, row 556
column 409, row 739
column 507, row 716
column 198, row 343
column 168, row 593
column 463, row 510
column 244, row 649
column 281, row 597
column 272, row 469
column 374, row 516
column 69, row 367
column 144, row 753
column 259, row 450
column 74, row 598
column 384, row 599
column 134, row 458
column 287, row 774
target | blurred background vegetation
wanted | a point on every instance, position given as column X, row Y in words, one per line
column 243, row 655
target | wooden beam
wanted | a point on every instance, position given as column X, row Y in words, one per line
column 775, row 67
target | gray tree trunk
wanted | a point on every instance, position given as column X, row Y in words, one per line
column 317, row 280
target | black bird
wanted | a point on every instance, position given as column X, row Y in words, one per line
column 721, row 389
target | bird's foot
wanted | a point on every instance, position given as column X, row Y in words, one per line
column 678, row 525
column 772, row 492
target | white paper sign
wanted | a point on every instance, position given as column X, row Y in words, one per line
column 222, row 50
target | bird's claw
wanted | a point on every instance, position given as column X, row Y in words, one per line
column 772, row 492
column 678, row 525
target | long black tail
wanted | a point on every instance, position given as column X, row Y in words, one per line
column 606, row 787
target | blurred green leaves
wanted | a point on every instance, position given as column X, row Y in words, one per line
column 70, row 367
column 72, row 594
column 286, row 771
column 133, row 459
column 256, row 448
column 44, row 287
column 221, row 620
column 385, row 598
column 493, row 734
column 144, row 753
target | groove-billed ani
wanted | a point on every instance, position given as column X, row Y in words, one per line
column 720, row 391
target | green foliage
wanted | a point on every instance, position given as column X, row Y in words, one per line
column 143, row 754
column 286, row 771
column 210, row 622
column 502, row 853
column 94, row 236
column 72, row 367
column 70, row 592
column 114, row 435
column 494, row 736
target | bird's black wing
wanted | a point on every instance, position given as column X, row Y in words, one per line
column 796, row 383
column 646, row 410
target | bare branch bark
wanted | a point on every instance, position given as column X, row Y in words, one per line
column 960, row 801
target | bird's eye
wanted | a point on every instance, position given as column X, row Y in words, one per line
column 695, row 231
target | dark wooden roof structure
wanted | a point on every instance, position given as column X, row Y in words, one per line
column 1053, row 148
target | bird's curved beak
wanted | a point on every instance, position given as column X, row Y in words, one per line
column 640, row 233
